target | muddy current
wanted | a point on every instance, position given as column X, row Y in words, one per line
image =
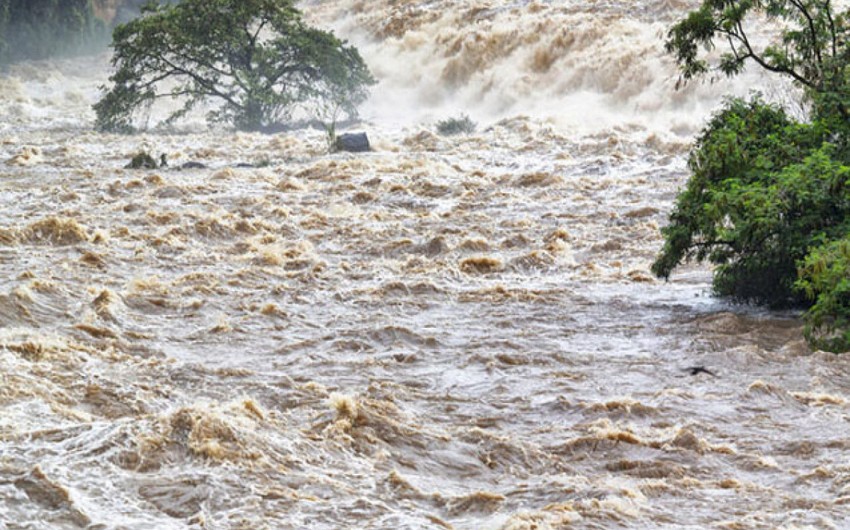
column 446, row 332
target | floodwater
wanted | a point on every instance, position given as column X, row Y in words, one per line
column 447, row 332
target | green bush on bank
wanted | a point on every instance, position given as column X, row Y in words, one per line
column 825, row 279
column 768, row 201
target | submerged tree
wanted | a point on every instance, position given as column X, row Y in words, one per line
column 768, row 201
column 256, row 59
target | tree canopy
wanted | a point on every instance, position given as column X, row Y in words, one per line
column 255, row 60
column 768, row 201
column 812, row 49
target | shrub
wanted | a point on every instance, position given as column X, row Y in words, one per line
column 765, row 198
column 825, row 279
column 460, row 125
column 768, row 201
column 759, row 190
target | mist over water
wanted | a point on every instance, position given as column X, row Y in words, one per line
column 447, row 332
column 587, row 67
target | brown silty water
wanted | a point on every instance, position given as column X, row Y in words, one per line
column 447, row 332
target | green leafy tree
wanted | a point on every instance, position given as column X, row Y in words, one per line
column 768, row 201
column 256, row 59
column 812, row 50
column 763, row 190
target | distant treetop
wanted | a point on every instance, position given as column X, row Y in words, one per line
column 256, row 61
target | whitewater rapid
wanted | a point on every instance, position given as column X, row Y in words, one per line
column 446, row 332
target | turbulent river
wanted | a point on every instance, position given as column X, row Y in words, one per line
column 447, row 332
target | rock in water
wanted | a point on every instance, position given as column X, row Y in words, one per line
column 353, row 142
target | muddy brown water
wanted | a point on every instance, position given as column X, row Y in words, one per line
column 443, row 333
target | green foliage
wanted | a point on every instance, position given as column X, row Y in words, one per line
column 460, row 125
column 768, row 201
column 825, row 279
column 37, row 29
column 256, row 59
column 762, row 188
column 813, row 49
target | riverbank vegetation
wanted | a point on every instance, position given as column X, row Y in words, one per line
column 462, row 124
column 255, row 61
column 768, row 202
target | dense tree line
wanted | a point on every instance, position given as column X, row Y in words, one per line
column 768, row 202
column 37, row 29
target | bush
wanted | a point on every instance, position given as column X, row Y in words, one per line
column 764, row 196
column 740, row 210
column 256, row 59
column 825, row 279
column 453, row 126
column 769, row 199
